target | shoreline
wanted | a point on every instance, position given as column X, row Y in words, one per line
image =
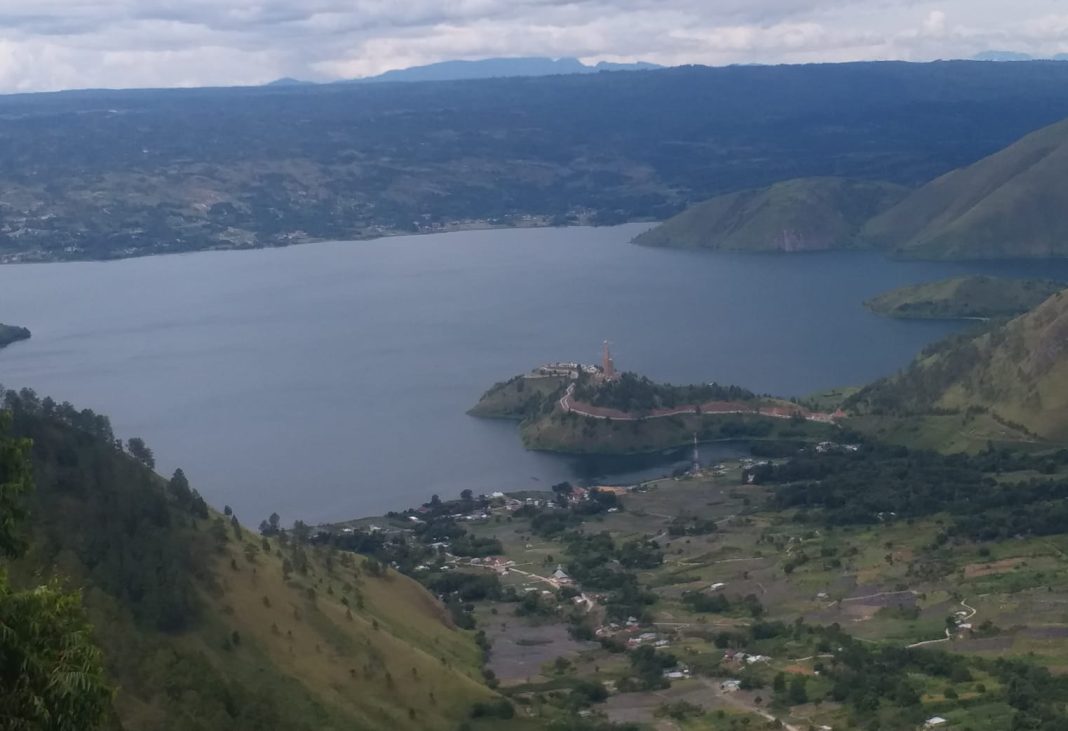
column 15, row 258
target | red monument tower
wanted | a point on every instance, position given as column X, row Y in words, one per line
column 607, row 364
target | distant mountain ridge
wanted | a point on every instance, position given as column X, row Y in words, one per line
column 493, row 68
column 1012, row 56
column 488, row 68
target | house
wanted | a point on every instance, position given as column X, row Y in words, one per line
column 935, row 722
column 730, row 686
column 717, row 586
column 561, row 575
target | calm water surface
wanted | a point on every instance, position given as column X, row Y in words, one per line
column 330, row 380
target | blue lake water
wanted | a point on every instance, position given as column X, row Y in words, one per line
column 330, row 380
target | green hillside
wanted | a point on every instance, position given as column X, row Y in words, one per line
column 964, row 297
column 806, row 214
column 206, row 625
column 1015, row 373
column 1011, row 204
column 518, row 397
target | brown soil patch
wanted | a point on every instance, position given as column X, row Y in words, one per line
column 799, row 670
column 973, row 570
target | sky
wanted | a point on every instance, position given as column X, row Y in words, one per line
column 63, row 44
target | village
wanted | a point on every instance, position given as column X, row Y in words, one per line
column 715, row 574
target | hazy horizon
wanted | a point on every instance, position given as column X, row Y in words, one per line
column 69, row 44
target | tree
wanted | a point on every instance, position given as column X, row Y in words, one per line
column 178, row 487
column 301, row 531
column 798, row 693
column 140, row 451
column 51, row 674
column 15, row 482
column 270, row 527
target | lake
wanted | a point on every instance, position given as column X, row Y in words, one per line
column 330, row 380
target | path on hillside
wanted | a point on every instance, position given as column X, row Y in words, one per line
column 949, row 633
column 717, row 408
column 732, row 700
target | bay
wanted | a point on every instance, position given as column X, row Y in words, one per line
column 331, row 380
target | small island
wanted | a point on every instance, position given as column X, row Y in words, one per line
column 578, row 408
column 12, row 334
column 976, row 297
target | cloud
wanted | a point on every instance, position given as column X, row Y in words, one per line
column 52, row 44
column 935, row 24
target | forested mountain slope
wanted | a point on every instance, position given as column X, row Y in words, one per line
column 809, row 214
column 1010, row 204
column 205, row 625
column 1018, row 372
column 123, row 173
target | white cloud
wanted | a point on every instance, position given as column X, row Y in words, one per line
column 935, row 24
column 51, row 44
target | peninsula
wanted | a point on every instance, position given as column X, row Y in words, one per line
column 579, row 408
column 978, row 297
column 12, row 334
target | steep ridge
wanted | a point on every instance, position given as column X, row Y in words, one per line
column 1010, row 204
column 805, row 214
column 204, row 624
column 1017, row 372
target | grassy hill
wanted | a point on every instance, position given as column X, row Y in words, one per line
column 12, row 334
column 205, row 625
column 1015, row 373
column 807, row 214
column 518, row 397
column 1010, row 204
column 964, row 297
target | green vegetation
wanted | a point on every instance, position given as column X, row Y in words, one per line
column 130, row 173
column 519, row 397
column 574, row 434
column 641, row 420
column 638, row 395
column 203, row 624
column 908, row 484
column 977, row 297
column 51, row 674
column 1015, row 373
column 797, row 215
column 854, row 585
column 12, row 334
column 1007, row 205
